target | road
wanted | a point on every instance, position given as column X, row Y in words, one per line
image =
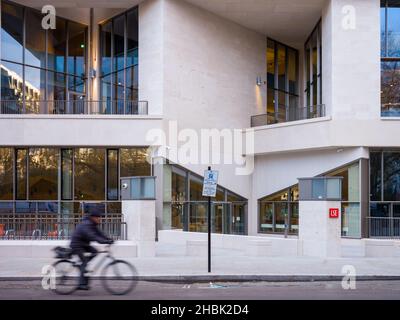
column 387, row 290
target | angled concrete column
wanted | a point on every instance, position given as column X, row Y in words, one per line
column 320, row 227
column 319, row 234
column 140, row 221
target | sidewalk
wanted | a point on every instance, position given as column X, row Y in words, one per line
column 171, row 264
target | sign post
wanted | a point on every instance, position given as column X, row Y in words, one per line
column 210, row 190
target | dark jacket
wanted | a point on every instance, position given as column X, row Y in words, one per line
column 86, row 232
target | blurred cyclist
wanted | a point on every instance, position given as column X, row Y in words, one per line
column 84, row 233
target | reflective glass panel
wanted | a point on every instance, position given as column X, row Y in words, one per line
column 106, row 48
column 119, row 30
column 11, row 87
column 112, row 174
column 35, row 51
column 21, row 173
column 6, row 173
column 89, row 174
column 393, row 30
column 57, row 42
column 266, row 217
column 76, row 49
column 43, row 174
column 132, row 38
column 11, row 32
column 134, row 162
column 390, row 95
column 375, row 162
column 391, row 176
column 66, row 174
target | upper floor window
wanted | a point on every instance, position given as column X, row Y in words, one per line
column 390, row 58
column 39, row 64
column 119, row 40
column 313, row 70
column 282, row 82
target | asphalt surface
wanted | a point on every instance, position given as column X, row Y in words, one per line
column 370, row 290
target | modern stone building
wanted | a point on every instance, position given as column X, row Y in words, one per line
column 311, row 84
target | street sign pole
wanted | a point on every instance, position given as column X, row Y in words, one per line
column 209, row 191
column 209, row 231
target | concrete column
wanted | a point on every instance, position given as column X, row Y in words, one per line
column 320, row 235
column 140, row 219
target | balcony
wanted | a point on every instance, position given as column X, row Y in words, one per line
column 85, row 107
column 287, row 114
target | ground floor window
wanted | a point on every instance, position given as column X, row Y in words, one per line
column 59, row 179
column 279, row 212
column 384, row 209
column 186, row 209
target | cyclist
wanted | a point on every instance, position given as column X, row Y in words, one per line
column 84, row 233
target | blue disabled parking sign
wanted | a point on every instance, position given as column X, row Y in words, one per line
column 210, row 183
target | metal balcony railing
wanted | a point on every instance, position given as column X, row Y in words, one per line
column 286, row 114
column 119, row 107
column 28, row 227
column 384, row 227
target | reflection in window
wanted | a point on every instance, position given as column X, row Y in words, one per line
column 42, row 63
column 390, row 58
column 66, row 174
column 391, row 176
column 21, row 173
column 6, row 173
column 278, row 209
column 11, row 32
column 89, row 175
column 43, row 174
column 134, row 162
column 112, row 174
column 375, row 162
column 185, row 207
column 313, row 63
column 35, row 51
column 119, row 59
column 76, row 49
column 282, row 79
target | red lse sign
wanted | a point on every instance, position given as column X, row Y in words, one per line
column 333, row 213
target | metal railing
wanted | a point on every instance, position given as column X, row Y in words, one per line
column 55, row 227
column 286, row 114
column 119, row 107
column 384, row 227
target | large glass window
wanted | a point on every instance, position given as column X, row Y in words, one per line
column 119, row 58
column 384, row 219
column 21, row 173
column 279, row 212
column 112, row 175
column 134, row 162
column 35, row 64
column 66, row 174
column 6, row 173
column 89, row 172
column 62, row 179
column 43, row 174
column 185, row 207
column 282, row 82
column 313, row 75
column 351, row 216
column 390, row 58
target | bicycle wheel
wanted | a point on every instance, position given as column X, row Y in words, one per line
column 119, row 277
column 67, row 277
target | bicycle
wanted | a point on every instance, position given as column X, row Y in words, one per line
column 113, row 275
